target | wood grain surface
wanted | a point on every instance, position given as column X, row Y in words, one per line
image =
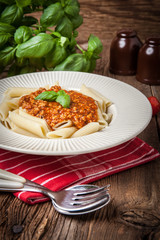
column 134, row 210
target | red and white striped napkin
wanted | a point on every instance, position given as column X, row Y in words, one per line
column 58, row 172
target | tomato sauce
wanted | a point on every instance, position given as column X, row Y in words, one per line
column 82, row 110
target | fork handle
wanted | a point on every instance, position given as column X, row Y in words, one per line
column 11, row 176
column 10, row 184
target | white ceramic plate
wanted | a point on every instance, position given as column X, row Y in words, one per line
column 131, row 114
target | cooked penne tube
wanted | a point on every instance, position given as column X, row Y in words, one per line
column 107, row 102
column 13, row 103
column 16, row 129
column 4, row 109
column 18, row 91
column 23, row 113
column 26, row 124
column 62, row 133
column 101, row 119
column 63, row 124
column 107, row 117
column 7, row 123
column 103, row 102
column 87, row 129
column 85, row 90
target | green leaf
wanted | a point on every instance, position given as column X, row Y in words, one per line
column 63, row 98
column 72, row 44
column 56, row 55
column 12, row 15
column 4, row 37
column 22, row 34
column 63, row 41
column 52, row 15
column 27, row 69
column 57, row 34
column 7, row 56
column 21, row 62
column 7, row 28
column 65, row 27
column 72, row 10
column 37, row 46
column 49, row 96
column 23, row 3
column 75, row 62
column 94, row 46
column 73, row 3
column 76, row 21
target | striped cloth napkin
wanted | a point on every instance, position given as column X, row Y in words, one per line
column 58, row 172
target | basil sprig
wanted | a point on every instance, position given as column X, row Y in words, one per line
column 29, row 45
column 50, row 96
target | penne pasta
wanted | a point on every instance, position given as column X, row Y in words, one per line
column 16, row 129
column 13, row 103
column 87, row 129
column 4, row 109
column 22, row 113
column 33, row 127
column 101, row 119
column 89, row 93
column 107, row 117
column 63, row 124
column 103, row 102
column 62, row 133
column 18, row 91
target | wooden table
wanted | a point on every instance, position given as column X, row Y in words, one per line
column 134, row 210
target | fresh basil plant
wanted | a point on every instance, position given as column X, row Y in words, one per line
column 28, row 44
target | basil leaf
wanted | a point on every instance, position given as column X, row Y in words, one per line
column 22, row 34
column 94, row 46
column 7, row 28
column 49, row 96
column 76, row 21
column 7, row 56
column 74, row 62
column 23, row 3
column 63, row 98
column 52, row 15
column 21, row 62
column 27, row 69
column 12, row 14
column 65, row 27
column 37, row 46
column 55, row 56
column 4, row 37
column 72, row 10
column 73, row 3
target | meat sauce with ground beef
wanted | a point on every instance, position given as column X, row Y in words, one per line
column 82, row 110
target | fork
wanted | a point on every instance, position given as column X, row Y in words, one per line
column 78, row 198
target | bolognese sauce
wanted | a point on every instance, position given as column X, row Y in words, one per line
column 82, row 110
